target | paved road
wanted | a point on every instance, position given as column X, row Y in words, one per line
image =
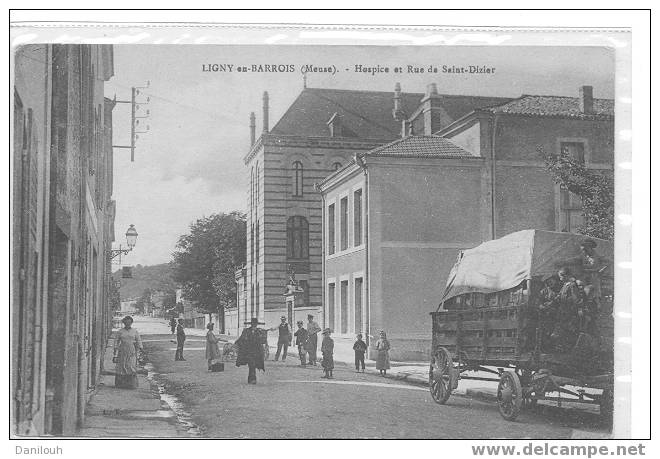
column 294, row 402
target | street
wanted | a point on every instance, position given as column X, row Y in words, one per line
column 294, row 402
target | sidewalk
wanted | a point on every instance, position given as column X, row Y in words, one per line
column 114, row 412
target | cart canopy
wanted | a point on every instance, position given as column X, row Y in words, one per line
column 504, row 263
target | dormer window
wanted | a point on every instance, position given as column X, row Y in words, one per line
column 334, row 124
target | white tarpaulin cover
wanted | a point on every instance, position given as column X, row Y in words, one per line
column 504, row 263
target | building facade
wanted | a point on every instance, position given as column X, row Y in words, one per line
column 63, row 220
column 320, row 132
column 396, row 217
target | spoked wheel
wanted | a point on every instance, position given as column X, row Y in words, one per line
column 509, row 395
column 440, row 375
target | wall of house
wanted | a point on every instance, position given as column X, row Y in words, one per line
column 346, row 265
column 275, row 205
column 526, row 195
column 67, row 175
column 421, row 213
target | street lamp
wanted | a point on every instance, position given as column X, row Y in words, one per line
column 131, row 239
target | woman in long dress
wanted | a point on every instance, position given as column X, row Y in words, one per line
column 212, row 351
column 127, row 345
column 383, row 357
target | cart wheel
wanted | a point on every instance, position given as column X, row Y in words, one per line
column 607, row 406
column 439, row 375
column 509, row 395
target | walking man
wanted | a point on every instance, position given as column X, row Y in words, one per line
column 283, row 340
column 312, row 339
column 180, row 339
column 251, row 350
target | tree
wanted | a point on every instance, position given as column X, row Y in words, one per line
column 595, row 188
column 143, row 304
column 203, row 259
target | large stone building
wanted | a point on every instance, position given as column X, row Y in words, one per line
column 62, row 228
column 397, row 216
column 320, row 132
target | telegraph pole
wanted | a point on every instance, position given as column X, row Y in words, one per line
column 135, row 120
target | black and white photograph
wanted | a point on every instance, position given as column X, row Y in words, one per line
column 313, row 241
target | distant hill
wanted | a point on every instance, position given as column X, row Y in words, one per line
column 155, row 277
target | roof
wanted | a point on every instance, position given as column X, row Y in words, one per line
column 427, row 146
column 554, row 106
column 364, row 114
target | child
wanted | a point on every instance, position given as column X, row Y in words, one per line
column 360, row 347
column 383, row 358
column 327, row 347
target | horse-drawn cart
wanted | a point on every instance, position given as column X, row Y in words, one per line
column 489, row 322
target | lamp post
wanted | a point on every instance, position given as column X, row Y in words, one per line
column 131, row 239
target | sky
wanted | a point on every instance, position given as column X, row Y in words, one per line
column 190, row 162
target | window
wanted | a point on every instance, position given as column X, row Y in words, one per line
column 297, row 179
column 358, row 305
column 252, row 243
column 343, row 222
column 331, row 305
column 297, row 238
column 331, row 229
column 344, row 306
column 304, row 285
column 256, row 243
column 570, row 205
column 336, row 166
column 256, row 184
column 357, row 218
column 251, row 188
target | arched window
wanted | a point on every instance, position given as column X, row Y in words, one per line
column 297, row 238
column 257, row 183
column 297, row 179
column 336, row 166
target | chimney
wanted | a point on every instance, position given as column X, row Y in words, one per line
column 253, row 127
column 432, row 110
column 334, row 124
column 266, row 112
column 398, row 112
column 587, row 99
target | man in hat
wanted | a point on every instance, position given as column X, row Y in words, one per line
column 301, row 340
column 284, row 338
column 312, row 338
column 251, row 349
column 180, row 340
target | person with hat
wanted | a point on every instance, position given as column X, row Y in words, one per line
column 327, row 349
column 284, row 338
column 301, row 338
column 180, row 340
column 127, row 346
column 312, row 338
column 251, row 349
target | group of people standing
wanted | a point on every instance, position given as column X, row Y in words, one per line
column 250, row 346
